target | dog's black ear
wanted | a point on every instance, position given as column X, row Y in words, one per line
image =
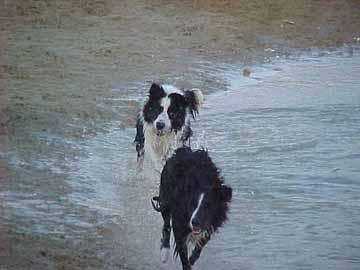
column 178, row 99
column 226, row 193
column 156, row 92
column 194, row 99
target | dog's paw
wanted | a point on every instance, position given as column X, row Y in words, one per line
column 164, row 254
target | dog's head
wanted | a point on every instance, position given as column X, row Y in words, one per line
column 209, row 208
column 168, row 108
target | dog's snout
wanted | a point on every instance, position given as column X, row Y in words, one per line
column 195, row 222
column 160, row 125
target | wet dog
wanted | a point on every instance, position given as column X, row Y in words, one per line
column 164, row 123
column 194, row 199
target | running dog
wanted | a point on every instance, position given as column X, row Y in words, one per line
column 194, row 199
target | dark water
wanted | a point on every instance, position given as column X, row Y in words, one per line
column 287, row 139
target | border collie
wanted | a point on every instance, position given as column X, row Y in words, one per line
column 194, row 198
column 164, row 123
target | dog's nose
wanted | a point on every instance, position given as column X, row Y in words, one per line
column 195, row 222
column 160, row 125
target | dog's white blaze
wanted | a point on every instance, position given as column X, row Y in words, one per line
column 201, row 197
column 164, row 117
column 165, row 103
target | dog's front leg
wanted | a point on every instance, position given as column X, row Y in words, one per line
column 198, row 248
column 181, row 248
column 165, row 240
column 184, row 256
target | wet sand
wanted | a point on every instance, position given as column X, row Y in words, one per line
column 71, row 69
column 63, row 58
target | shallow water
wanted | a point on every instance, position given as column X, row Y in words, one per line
column 287, row 139
column 289, row 145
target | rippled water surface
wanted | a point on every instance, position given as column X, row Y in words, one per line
column 287, row 139
column 289, row 144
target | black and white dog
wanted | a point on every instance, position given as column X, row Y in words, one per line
column 194, row 198
column 164, row 123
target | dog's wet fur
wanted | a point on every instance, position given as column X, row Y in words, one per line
column 164, row 123
column 194, row 199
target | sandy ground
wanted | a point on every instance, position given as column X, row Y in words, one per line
column 64, row 57
column 60, row 62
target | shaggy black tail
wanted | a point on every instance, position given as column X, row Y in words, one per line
column 156, row 203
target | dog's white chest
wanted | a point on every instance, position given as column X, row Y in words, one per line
column 159, row 148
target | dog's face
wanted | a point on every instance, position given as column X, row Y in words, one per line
column 167, row 108
column 208, row 208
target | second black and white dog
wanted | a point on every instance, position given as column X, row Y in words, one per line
column 194, row 200
column 164, row 123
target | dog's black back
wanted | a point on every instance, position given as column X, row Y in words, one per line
column 194, row 197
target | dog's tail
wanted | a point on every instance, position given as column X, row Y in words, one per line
column 155, row 201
